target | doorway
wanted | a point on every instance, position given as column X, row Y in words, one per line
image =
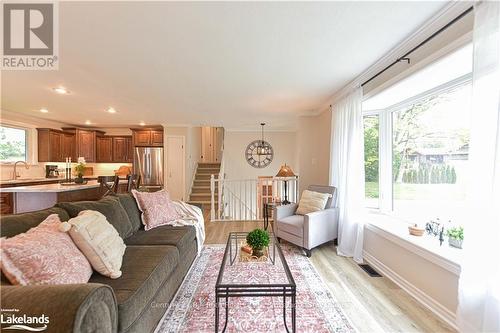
column 212, row 139
column 176, row 157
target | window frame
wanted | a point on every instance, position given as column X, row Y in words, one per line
column 386, row 188
column 31, row 142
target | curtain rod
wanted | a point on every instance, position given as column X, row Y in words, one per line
column 405, row 56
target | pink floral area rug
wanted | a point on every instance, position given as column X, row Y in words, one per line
column 193, row 307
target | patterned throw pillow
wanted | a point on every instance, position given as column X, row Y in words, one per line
column 156, row 207
column 312, row 202
column 43, row 255
column 98, row 240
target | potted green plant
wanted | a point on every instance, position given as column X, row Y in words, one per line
column 79, row 169
column 455, row 236
column 258, row 239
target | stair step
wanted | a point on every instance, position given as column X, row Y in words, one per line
column 206, row 196
column 208, row 170
column 204, row 203
column 203, row 189
column 202, row 182
column 208, row 165
column 202, row 177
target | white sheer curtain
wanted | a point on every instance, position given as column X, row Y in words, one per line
column 347, row 172
column 479, row 286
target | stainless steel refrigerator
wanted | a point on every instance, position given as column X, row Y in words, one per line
column 148, row 162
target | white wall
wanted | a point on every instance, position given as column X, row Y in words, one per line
column 313, row 149
column 235, row 142
column 192, row 150
column 432, row 280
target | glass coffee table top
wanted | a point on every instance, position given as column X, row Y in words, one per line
column 240, row 268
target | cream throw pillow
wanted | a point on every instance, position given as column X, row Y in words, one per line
column 98, row 240
column 312, row 202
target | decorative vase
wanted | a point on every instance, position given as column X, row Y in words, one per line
column 455, row 242
column 79, row 179
column 257, row 252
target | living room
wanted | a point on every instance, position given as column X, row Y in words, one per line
column 250, row 166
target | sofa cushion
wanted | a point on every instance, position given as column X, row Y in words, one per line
column 292, row 224
column 98, row 240
column 43, row 255
column 134, row 214
column 145, row 269
column 181, row 237
column 109, row 206
column 11, row 225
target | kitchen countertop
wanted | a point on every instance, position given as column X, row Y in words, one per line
column 52, row 188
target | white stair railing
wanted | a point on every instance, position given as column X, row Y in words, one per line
column 243, row 199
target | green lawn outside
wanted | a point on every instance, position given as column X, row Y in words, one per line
column 420, row 191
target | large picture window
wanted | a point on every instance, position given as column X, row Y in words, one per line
column 425, row 156
column 13, row 144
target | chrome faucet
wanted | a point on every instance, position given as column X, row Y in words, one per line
column 15, row 168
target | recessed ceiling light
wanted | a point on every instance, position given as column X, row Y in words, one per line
column 87, row 122
column 61, row 90
column 111, row 110
column 44, row 110
column 142, row 123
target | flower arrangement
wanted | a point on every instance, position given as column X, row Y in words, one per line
column 80, row 167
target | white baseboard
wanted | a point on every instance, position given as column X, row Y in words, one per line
column 427, row 301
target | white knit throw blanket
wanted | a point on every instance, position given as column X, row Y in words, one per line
column 190, row 215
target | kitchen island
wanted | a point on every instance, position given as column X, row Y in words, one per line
column 36, row 197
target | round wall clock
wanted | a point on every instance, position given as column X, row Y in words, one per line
column 259, row 160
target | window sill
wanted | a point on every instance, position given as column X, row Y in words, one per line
column 396, row 231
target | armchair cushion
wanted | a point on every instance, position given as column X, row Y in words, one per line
column 292, row 224
column 312, row 201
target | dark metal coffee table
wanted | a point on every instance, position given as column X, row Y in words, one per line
column 230, row 283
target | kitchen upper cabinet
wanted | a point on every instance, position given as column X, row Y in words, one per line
column 69, row 146
column 104, row 149
column 122, row 149
column 147, row 137
column 157, row 138
column 142, row 138
column 130, row 149
column 86, row 144
column 50, row 145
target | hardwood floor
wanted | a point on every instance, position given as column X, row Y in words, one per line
column 373, row 304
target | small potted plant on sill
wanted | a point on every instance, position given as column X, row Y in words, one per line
column 79, row 169
column 455, row 236
column 258, row 239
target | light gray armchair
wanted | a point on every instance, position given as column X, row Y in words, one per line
column 309, row 230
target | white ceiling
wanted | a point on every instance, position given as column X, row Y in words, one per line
column 232, row 64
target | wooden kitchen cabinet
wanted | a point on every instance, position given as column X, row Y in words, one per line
column 122, row 149
column 104, row 149
column 147, row 137
column 6, row 203
column 68, row 147
column 86, row 145
column 157, row 138
column 142, row 138
column 50, row 145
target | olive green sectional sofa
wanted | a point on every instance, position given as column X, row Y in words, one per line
column 154, row 266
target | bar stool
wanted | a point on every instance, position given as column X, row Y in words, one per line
column 133, row 182
column 109, row 185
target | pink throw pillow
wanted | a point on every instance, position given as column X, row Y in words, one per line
column 43, row 255
column 156, row 207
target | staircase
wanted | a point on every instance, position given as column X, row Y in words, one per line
column 200, row 192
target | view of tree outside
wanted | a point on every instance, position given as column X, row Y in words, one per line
column 371, row 128
column 12, row 144
column 430, row 153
